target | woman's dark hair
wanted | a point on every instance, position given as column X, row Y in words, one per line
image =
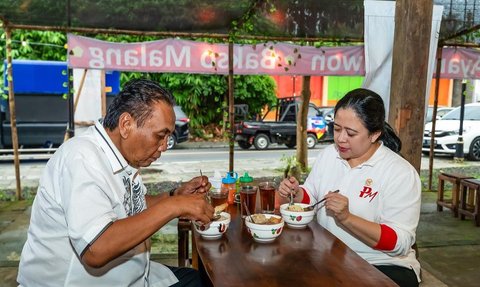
column 369, row 107
column 136, row 98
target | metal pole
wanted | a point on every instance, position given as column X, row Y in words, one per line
column 13, row 119
column 71, row 109
column 434, row 116
column 459, row 156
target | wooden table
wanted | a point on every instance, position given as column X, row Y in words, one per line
column 298, row 257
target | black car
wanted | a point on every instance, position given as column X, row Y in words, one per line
column 181, row 128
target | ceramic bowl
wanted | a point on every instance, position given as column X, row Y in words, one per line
column 214, row 229
column 296, row 219
column 264, row 233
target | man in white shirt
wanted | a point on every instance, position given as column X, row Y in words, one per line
column 92, row 219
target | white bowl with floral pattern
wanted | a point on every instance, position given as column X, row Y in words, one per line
column 296, row 219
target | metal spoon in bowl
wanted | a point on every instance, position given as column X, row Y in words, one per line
column 248, row 212
column 311, row 207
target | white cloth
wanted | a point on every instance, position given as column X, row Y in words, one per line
column 379, row 33
column 385, row 189
column 85, row 187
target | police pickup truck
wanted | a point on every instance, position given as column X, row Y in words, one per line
column 283, row 128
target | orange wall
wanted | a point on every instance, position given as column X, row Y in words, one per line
column 285, row 88
column 443, row 92
column 287, row 84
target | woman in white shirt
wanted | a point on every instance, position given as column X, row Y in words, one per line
column 377, row 208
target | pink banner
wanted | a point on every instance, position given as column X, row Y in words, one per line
column 181, row 56
column 460, row 63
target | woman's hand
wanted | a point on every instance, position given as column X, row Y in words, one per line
column 288, row 186
column 337, row 205
column 197, row 185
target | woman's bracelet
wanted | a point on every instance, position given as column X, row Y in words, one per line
column 172, row 191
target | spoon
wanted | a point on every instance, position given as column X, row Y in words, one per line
column 248, row 212
column 291, row 200
column 216, row 216
column 309, row 208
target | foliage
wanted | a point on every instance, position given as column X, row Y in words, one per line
column 293, row 168
column 204, row 97
column 33, row 45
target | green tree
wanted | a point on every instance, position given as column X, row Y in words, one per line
column 202, row 97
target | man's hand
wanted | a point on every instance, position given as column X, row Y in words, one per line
column 194, row 207
column 197, row 185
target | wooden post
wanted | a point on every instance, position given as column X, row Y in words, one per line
column 231, row 109
column 302, row 115
column 413, row 24
column 13, row 118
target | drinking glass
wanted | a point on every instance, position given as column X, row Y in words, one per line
column 217, row 197
column 267, row 196
column 248, row 196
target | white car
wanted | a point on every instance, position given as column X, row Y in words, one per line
column 447, row 131
column 441, row 111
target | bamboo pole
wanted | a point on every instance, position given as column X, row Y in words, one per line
column 80, row 88
column 13, row 120
column 434, row 116
column 76, row 100
column 183, row 34
column 103, row 93
column 231, row 111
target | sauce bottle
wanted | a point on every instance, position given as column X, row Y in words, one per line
column 228, row 184
column 244, row 180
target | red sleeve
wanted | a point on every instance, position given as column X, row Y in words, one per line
column 388, row 238
column 306, row 198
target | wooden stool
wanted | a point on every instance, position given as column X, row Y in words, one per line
column 470, row 200
column 183, row 227
column 452, row 202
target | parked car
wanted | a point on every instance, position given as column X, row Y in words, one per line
column 328, row 115
column 181, row 128
column 447, row 130
column 441, row 111
column 282, row 129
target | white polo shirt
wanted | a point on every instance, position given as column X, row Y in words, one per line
column 85, row 187
column 385, row 189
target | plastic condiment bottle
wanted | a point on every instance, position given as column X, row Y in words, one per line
column 228, row 183
column 216, row 180
column 244, row 180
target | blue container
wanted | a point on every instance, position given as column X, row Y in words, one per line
column 49, row 77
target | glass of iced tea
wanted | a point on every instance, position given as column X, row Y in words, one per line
column 218, row 197
column 248, row 197
column 267, row 196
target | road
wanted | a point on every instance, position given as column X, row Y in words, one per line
column 222, row 154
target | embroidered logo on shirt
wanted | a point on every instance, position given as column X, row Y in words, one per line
column 134, row 200
column 367, row 190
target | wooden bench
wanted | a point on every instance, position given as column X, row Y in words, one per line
column 452, row 202
column 469, row 204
